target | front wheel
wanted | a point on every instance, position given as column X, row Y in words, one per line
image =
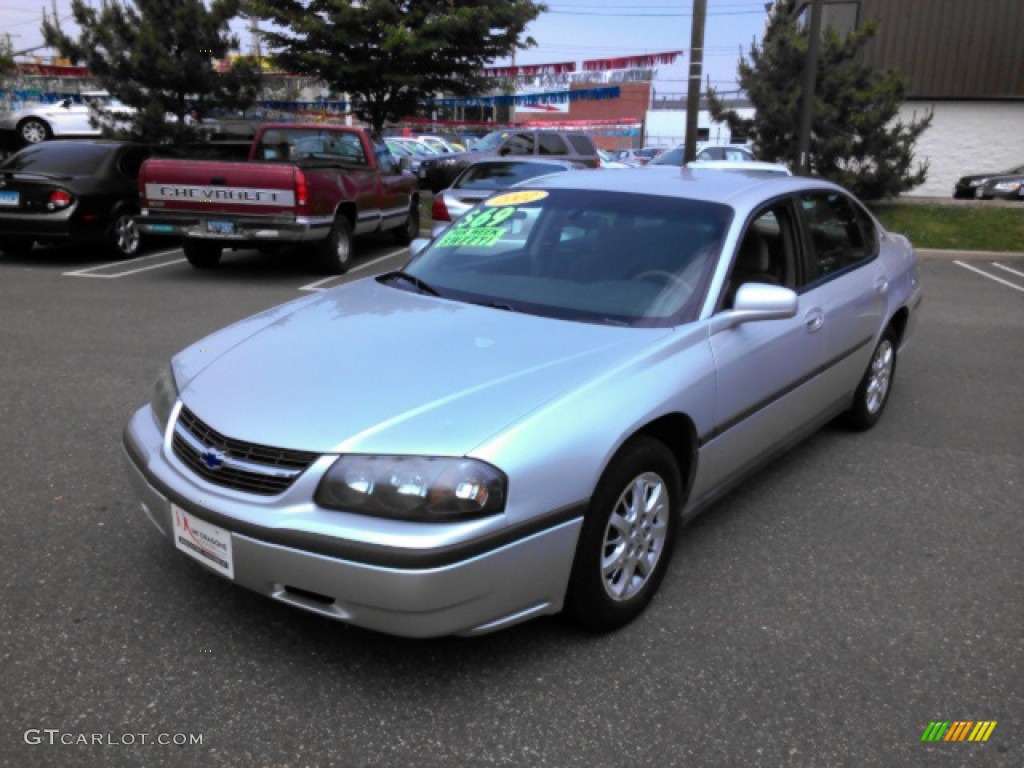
column 124, row 240
column 627, row 538
column 202, row 254
column 411, row 229
column 873, row 391
column 33, row 130
column 335, row 253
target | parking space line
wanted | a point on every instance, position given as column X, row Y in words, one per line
column 134, row 271
column 317, row 285
column 1003, row 266
column 114, row 265
column 990, row 277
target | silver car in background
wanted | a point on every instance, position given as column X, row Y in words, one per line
column 519, row 421
column 482, row 179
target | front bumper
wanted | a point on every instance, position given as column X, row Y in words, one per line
column 485, row 591
column 244, row 229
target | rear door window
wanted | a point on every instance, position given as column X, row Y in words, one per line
column 582, row 144
column 835, row 233
column 552, row 144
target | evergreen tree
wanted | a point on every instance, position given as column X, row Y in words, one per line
column 392, row 55
column 856, row 140
column 157, row 56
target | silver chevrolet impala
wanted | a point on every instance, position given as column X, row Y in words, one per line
column 518, row 422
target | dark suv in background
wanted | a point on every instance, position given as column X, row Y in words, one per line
column 438, row 173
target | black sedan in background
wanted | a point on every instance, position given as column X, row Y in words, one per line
column 972, row 186
column 72, row 192
column 1008, row 187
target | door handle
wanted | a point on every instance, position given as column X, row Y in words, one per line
column 814, row 319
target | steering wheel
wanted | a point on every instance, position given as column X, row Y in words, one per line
column 669, row 278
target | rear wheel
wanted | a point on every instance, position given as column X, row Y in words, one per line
column 202, row 254
column 335, row 253
column 33, row 130
column 15, row 246
column 873, row 391
column 411, row 229
column 123, row 238
column 627, row 538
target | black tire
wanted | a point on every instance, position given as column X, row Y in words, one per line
column 872, row 393
column 335, row 253
column 123, row 239
column 32, row 130
column 16, row 246
column 202, row 254
column 643, row 465
column 410, row 230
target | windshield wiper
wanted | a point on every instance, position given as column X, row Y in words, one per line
column 420, row 285
column 494, row 305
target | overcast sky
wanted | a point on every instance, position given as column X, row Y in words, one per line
column 571, row 30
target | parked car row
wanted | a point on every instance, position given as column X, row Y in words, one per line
column 311, row 184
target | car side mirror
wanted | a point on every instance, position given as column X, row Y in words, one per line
column 505, row 151
column 404, row 164
column 756, row 302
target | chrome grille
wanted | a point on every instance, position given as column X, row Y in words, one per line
column 248, row 467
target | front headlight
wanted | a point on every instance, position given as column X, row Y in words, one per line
column 977, row 182
column 165, row 395
column 1008, row 186
column 420, row 488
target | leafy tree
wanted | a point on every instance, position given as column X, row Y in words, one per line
column 157, row 56
column 856, row 137
column 391, row 55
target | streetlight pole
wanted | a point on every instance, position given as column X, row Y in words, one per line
column 803, row 136
column 693, row 86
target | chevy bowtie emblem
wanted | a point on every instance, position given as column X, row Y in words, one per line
column 212, row 458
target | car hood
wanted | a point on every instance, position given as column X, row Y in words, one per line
column 369, row 368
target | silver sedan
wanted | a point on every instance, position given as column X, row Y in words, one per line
column 518, row 422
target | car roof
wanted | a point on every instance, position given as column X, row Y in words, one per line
column 525, row 159
column 735, row 188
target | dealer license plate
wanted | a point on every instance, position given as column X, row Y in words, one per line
column 221, row 227
column 8, row 197
column 206, row 543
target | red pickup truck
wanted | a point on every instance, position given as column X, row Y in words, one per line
column 317, row 184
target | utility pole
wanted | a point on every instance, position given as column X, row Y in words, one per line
column 693, row 87
column 803, row 136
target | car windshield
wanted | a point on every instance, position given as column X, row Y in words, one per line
column 499, row 175
column 491, row 141
column 592, row 256
column 65, row 159
column 669, row 157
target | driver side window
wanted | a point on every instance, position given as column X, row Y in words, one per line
column 767, row 252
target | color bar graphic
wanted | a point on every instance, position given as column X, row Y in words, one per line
column 958, row 730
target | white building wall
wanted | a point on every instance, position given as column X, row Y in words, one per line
column 966, row 137
column 667, row 127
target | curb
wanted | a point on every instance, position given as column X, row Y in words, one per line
column 936, row 253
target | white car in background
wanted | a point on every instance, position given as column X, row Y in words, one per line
column 36, row 122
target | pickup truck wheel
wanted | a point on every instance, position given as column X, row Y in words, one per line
column 123, row 239
column 411, row 229
column 201, row 254
column 335, row 253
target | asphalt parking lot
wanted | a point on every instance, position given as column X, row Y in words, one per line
column 822, row 615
